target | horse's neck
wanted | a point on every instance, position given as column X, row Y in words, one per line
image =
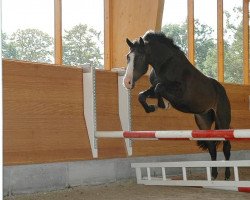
column 176, row 63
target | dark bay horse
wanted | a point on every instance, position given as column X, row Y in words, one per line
column 176, row 80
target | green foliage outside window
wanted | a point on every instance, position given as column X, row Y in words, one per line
column 81, row 45
column 206, row 47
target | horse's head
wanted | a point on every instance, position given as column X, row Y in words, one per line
column 137, row 63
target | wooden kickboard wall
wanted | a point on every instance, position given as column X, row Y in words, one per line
column 43, row 116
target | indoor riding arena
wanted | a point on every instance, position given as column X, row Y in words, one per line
column 76, row 124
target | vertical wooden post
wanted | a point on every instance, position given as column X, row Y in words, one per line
column 191, row 51
column 220, row 41
column 127, row 19
column 107, row 34
column 58, row 31
column 246, row 42
column 159, row 15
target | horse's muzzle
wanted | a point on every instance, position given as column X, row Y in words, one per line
column 128, row 83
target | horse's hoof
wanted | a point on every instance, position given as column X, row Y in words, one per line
column 227, row 179
column 227, row 174
column 214, row 175
column 167, row 104
column 151, row 108
column 164, row 104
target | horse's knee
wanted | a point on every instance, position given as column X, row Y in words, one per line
column 142, row 97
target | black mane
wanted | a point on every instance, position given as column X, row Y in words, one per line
column 152, row 36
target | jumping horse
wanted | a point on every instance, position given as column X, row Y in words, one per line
column 176, row 80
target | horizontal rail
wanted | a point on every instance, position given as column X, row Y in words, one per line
column 196, row 183
column 238, row 163
column 227, row 134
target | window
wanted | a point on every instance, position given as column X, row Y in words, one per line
column 174, row 22
column 206, row 36
column 83, row 32
column 28, row 29
column 225, row 66
column 233, row 41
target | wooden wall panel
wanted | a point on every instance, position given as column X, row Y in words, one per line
column 43, row 116
column 107, row 114
column 128, row 19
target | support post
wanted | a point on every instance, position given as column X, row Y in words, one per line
column 124, row 109
column 220, row 40
column 191, row 48
column 89, row 98
column 246, row 42
column 58, row 31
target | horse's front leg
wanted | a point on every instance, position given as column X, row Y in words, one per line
column 159, row 94
column 149, row 93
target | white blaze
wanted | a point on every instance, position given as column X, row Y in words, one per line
column 128, row 78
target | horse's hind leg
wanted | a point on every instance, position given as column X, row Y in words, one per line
column 222, row 121
column 204, row 122
column 226, row 151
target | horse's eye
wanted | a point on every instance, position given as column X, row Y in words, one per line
column 128, row 58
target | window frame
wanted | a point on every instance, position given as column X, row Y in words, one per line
column 191, row 50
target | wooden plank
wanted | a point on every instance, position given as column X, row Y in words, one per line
column 159, row 15
column 58, row 31
column 220, row 40
column 234, row 92
column 107, row 34
column 246, row 41
column 191, row 51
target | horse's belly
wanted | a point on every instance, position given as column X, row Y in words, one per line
column 192, row 106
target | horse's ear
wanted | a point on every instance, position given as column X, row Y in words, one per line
column 141, row 42
column 130, row 44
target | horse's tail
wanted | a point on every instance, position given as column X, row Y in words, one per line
column 204, row 144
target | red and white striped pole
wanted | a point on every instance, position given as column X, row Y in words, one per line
column 229, row 134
